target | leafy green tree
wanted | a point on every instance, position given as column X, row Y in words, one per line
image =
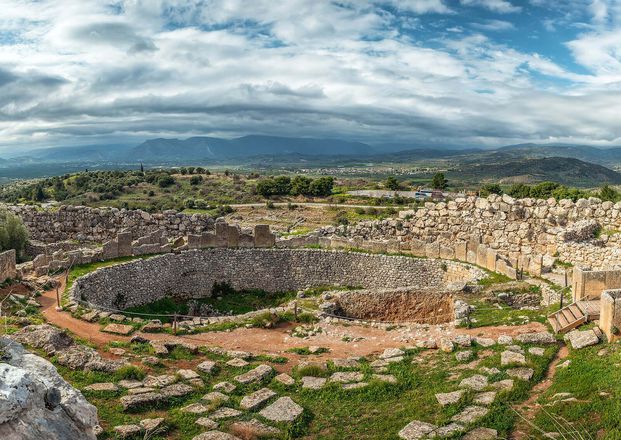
column 38, row 195
column 13, row 233
column 490, row 188
column 300, row 185
column 392, row 183
column 439, row 181
column 196, row 179
column 322, row 187
column 165, row 180
column 543, row 190
column 609, row 194
column 519, row 191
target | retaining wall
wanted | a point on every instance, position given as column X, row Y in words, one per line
column 101, row 224
column 192, row 274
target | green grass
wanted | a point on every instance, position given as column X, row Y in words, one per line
column 594, row 415
column 486, row 314
column 493, row 278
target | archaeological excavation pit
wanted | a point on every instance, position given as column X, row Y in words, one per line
column 382, row 287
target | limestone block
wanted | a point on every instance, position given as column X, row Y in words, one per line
column 222, row 233
column 432, row 250
column 110, row 250
column 610, row 314
column 482, row 256
column 245, row 241
column 263, row 237
column 124, row 243
column 417, row 247
column 461, row 250
column 447, row 253
column 208, row 240
column 471, row 257
column 490, row 260
column 233, row 233
column 194, row 241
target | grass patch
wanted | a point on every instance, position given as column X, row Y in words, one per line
column 486, row 314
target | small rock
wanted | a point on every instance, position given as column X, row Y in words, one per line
column 505, row 340
column 103, row 386
column 255, row 375
column 391, row 353
column 481, row 434
column 486, row 398
column 536, row 351
column 477, row 382
column 346, row 377
column 463, row 340
column 237, row 363
column 225, row 387
column 449, row 398
column 195, row 408
column 207, row 423
column 503, row 385
column 215, row 435
column 470, row 414
column 119, row 329
column 512, row 358
column 484, row 342
column 417, row 430
column 539, row 338
column 446, row 345
column 206, row 367
column 215, row 396
column 126, row 431
column 151, row 424
column 521, row 373
column 187, row 374
column 580, row 339
column 385, row 378
column 256, row 399
column 464, row 356
column 224, row 413
column 313, row 383
column 285, row 379
column 283, row 410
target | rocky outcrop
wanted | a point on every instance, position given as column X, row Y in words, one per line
column 68, row 353
column 37, row 403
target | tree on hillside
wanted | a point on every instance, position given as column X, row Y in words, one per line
column 322, row 187
column 392, row 183
column 300, row 185
column 490, row 188
column 609, row 194
column 439, row 181
column 13, row 234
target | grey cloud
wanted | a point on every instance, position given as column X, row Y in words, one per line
column 115, row 34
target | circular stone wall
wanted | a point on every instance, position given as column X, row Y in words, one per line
column 192, row 274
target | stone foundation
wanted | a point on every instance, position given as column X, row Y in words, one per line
column 7, row 265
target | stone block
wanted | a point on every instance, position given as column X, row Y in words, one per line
column 535, row 266
column 471, row 257
column 208, row 240
column 263, row 237
column 447, row 253
column 194, row 241
column 482, row 256
column 232, row 237
column 8, row 265
column 222, row 234
column 490, row 260
column 432, row 250
column 124, row 243
column 417, row 247
column 110, row 250
column 246, row 241
column 461, row 251
column 610, row 314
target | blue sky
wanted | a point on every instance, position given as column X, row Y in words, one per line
column 414, row 72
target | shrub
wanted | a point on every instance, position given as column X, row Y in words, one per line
column 130, row 372
column 13, row 234
column 196, row 179
column 165, row 181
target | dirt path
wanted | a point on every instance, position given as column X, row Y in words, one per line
column 366, row 340
column 529, row 408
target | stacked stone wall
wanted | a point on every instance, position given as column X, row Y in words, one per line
column 86, row 224
column 515, row 228
column 192, row 274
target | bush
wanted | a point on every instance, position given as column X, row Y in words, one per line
column 165, row 181
column 196, row 179
column 130, row 372
column 490, row 188
column 13, row 233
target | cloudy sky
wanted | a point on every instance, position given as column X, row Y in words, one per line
column 418, row 72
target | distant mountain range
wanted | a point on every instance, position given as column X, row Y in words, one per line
column 569, row 164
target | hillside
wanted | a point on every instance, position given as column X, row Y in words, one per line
column 199, row 148
column 567, row 171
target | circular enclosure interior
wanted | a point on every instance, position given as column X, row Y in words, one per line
column 192, row 274
column 425, row 306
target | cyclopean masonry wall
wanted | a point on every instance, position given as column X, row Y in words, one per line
column 7, row 265
column 86, row 224
column 192, row 274
column 537, row 229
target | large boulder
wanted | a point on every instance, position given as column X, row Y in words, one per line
column 37, row 403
